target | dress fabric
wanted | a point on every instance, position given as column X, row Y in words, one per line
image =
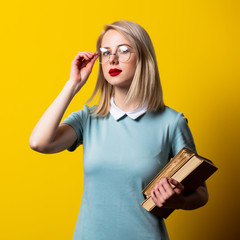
column 119, row 159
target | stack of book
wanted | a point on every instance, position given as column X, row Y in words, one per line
column 188, row 168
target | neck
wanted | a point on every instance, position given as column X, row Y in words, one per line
column 119, row 98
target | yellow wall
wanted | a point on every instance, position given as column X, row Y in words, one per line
column 197, row 47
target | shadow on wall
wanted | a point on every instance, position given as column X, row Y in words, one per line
column 224, row 195
column 219, row 142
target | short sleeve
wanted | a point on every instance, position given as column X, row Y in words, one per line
column 181, row 135
column 77, row 121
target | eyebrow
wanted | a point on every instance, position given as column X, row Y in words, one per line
column 119, row 45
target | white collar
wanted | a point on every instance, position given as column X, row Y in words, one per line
column 117, row 113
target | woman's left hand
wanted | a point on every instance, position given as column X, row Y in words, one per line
column 166, row 196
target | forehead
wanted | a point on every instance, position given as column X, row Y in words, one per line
column 114, row 38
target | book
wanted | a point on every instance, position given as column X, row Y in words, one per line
column 188, row 168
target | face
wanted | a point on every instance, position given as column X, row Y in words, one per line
column 117, row 73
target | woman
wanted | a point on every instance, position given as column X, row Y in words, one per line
column 127, row 138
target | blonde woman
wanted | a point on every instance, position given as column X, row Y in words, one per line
column 127, row 138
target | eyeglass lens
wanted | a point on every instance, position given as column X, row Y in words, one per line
column 123, row 53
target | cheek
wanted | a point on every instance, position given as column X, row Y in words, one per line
column 133, row 67
column 132, row 70
column 104, row 71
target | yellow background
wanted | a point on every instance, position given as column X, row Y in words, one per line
column 197, row 47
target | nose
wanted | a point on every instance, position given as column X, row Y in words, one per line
column 113, row 58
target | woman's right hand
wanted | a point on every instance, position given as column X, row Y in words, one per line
column 81, row 67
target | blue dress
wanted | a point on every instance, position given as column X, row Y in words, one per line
column 119, row 159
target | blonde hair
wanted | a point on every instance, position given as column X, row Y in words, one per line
column 145, row 86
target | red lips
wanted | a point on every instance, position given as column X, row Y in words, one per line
column 114, row 71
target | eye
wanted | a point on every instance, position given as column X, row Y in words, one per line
column 104, row 51
column 123, row 49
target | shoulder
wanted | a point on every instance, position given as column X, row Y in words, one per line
column 167, row 115
column 170, row 112
column 79, row 117
column 85, row 112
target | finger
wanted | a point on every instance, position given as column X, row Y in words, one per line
column 90, row 54
column 153, row 196
column 90, row 57
column 164, row 195
column 96, row 55
column 93, row 56
column 82, row 55
column 166, row 190
column 160, row 192
column 93, row 53
column 166, row 185
column 178, row 186
column 80, row 58
column 91, row 63
column 84, row 64
column 155, row 199
column 159, row 186
column 78, row 61
column 161, row 189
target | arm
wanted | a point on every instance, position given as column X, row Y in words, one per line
column 172, row 197
column 48, row 136
column 163, row 194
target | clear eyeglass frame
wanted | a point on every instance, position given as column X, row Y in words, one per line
column 120, row 54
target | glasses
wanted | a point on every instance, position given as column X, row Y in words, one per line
column 123, row 54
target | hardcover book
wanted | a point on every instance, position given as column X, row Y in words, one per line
column 188, row 168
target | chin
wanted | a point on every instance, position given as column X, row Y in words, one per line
column 118, row 83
